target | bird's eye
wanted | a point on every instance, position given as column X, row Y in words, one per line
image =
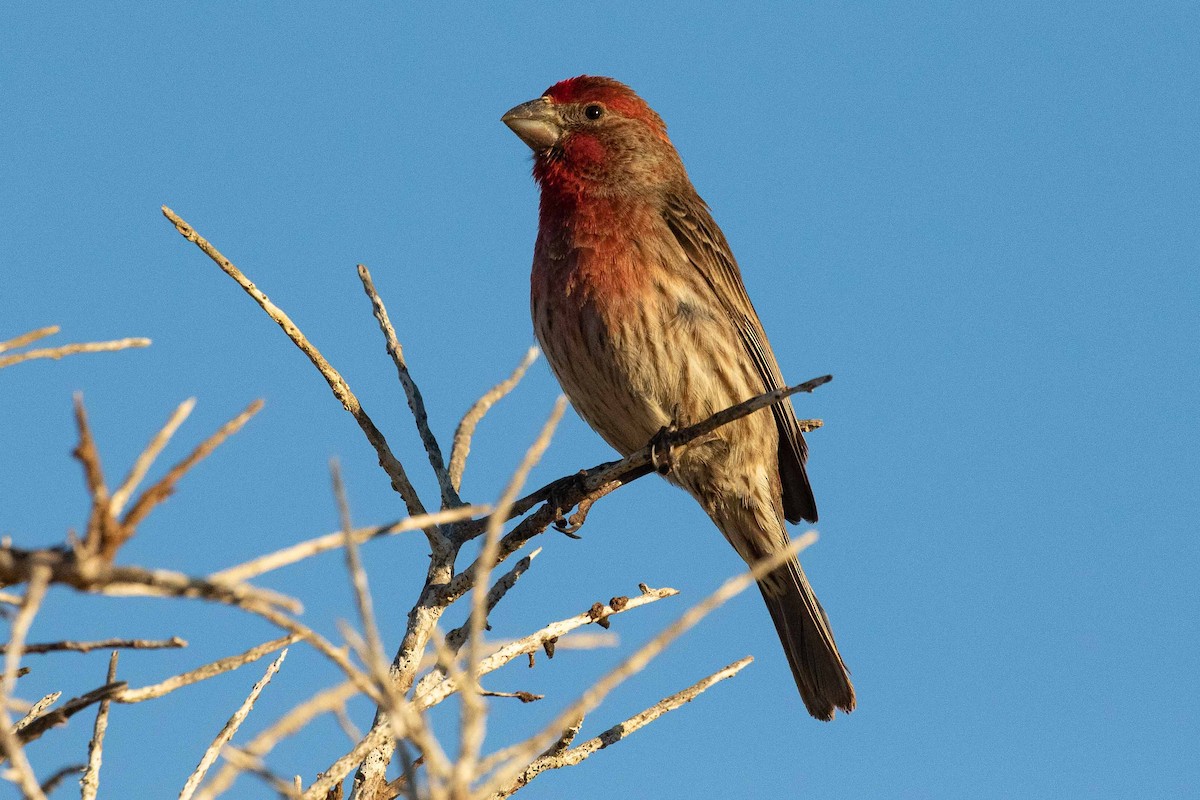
column 593, row 111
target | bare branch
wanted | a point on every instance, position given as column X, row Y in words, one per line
column 537, row 640
column 466, row 428
column 323, row 702
column 59, row 716
column 514, row 759
column 10, row 743
column 473, row 708
column 557, row 756
column 36, row 710
column 100, row 521
column 416, row 403
column 17, row 566
column 52, row 783
column 90, row 783
column 331, row 541
column 205, row 672
column 235, row 722
column 103, row 644
column 72, row 349
column 144, row 461
column 166, row 485
column 28, row 338
column 341, row 389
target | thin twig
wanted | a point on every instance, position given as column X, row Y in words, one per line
column 144, row 461
column 513, row 760
column 100, row 520
column 474, row 709
column 341, row 389
column 72, row 349
column 374, row 658
column 558, row 756
column 10, row 743
column 466, row 428
column 161, row 490
column 332, row 541
column 59, row 716
column 327, row 701
column 537, row 640
column 219, row 667
column 235, row 722
column 52, row 783
column 90, row 783
column 28, row 338
column 103, row 644
column 416, row 403
column 36, row 710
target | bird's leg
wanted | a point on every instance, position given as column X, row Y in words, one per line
column 556, row 499
column 660, row 445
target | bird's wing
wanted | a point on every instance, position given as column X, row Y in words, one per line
column 702, row 241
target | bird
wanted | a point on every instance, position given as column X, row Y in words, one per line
column 641, row 311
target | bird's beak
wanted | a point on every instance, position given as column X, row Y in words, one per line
column 536, row 122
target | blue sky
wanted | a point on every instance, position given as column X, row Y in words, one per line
column 981, row 218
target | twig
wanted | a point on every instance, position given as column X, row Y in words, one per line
column 36, row 710
column 323, row 702
column 90, row 782
column 103, row 644
column 536, row 641
column 331, row 541
column 161, row 490
column 59, row 716
column 558, row 756
column 16, row 566
column 341, row 389
column 205, row 672
column 377, row 737
column 51, row 783
column 416, row 403
column 255, row 766
column 72, row 349
column 10, row 743
column 373, row 657
column 474, row 709
column 235, row 722
column 144, row 461
column 466, row 428
column 518, row 756
column 28, row 338
column 100, row 520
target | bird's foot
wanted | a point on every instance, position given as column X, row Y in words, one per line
column 661, row 456
column 558, row 500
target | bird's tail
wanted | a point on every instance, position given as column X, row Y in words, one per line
column 821, row 676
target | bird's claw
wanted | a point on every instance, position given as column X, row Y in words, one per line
column 563, row 524
column 661, row 457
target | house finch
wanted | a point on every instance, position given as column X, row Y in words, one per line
column 639, row 306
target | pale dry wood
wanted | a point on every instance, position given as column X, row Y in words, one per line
column 90, row 783
column 36, row 710
column 466, row 428
column 227, row 732
column 10, row 742
column 326, row 701
column 161, row 490
column 256, row 767
column 145, row 459
column 474, row 708
column 559, row 756
column 103, row 644
column 509, row 762
column 341, row 389
column 332, row 541
column 537, row 640
column 28, row 338
column 373, row 645
column 90, row 575
column 59, row 716
column 211, row 670
column 56, row 353
column 416, row 403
